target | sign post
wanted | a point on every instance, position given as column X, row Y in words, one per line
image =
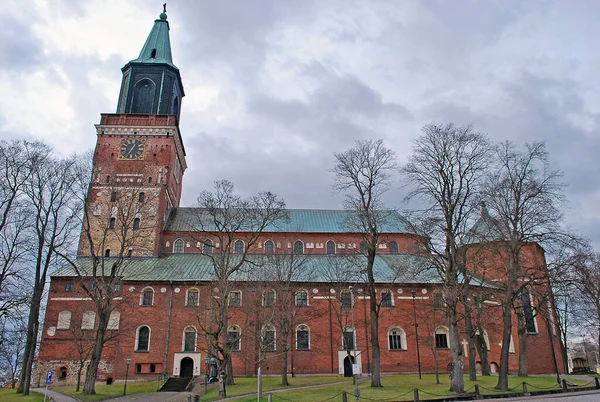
column 48, row 382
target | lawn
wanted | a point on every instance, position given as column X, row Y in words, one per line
column 10, row 395
column 110, row 391
column 395, row 388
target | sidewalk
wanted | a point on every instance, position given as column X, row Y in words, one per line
column 56, row 396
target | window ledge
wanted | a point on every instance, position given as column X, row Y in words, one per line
column 398, row 350
column 141, row 351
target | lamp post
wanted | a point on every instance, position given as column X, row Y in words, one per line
column 354, row 376
column 127, row 362
column 414, row 296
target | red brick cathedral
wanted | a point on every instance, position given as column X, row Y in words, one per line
column 164, row 298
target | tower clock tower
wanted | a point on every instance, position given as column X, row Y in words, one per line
column 139, row 159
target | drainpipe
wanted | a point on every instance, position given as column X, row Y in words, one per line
column 165, row 360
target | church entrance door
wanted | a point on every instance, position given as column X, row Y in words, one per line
column 186, row 368
column 348, row 361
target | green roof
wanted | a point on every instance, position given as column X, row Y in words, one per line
column 158, row 45
column 299, row 220
column 485, row 229
column 399, row 269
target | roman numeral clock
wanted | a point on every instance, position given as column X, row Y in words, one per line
column 132, row 149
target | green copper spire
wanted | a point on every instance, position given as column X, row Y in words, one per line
column 157, row 48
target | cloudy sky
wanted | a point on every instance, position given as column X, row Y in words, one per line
column 274, row 87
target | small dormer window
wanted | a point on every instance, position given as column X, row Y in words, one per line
column 153, row 54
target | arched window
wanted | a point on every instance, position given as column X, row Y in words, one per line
column 269, row 247
column 482, row 340
column 208, row 246
column 112, row 223
column 113, row 320
column 346, row 298
column 441, row 337
column 107, row 252
column 268, row 338
column 268, row 298
column 302, row 298
column 88, row 320
column 193, row 296
column 143, row 96
column 302, row 337
column 393, row 247
column 153, row 368
column 238, row 247
column 142, row 341
column 136, row 223
column 348, row 338
column 234, row 338
column 396, row 339
column 63, row 374
column 147, row 297
column 298, row 247
column 64, row 320
column 330, row 247
column 189, row 339
column 387, row 298
column 178, row 246
column 142, row 197
column 235, row 298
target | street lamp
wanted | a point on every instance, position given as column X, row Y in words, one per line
column 414, row 296
column 127, row 362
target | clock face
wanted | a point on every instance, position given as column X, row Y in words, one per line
column 132, row 148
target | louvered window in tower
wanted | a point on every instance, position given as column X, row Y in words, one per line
column 143, row 97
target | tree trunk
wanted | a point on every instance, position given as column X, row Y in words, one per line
column 375, row 350
column 79, row 375
column 506, row 336
column 522, row 330
column 471, row 346
column 284, row 364
column 33, row 325
column 457, row 381
column 89, row 385
column 482, row 350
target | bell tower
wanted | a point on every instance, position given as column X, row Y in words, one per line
column 139, row 159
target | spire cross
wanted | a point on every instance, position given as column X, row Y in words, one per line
column 165, row 8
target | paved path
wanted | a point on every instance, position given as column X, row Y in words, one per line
column 57, row 396
column 152, row 397
column 584, row 396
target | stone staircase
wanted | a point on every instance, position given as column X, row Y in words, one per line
column 177, row 384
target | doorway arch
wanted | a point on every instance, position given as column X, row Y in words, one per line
column 348, row 361
column 186, row 367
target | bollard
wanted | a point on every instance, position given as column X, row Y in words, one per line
column 597, row 382
column 477, row 392
column 269, row 397
column 525, row 392
column 344, row 397
column 564, row 384
column 417, row 395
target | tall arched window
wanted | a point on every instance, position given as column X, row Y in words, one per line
column 268, row 298
column 142, row 342
column 393, row 247
column 268, row 338
column 269, row 247
column 301, row 298
column 143, row 96
column 298, row 247
column 330, row 247
column 234, row 338
column 238, row 247
column 302, row 337
column 189, row 339
column 208, row 246
column 178, row 246
column 346, row 298
column 396, row 339
column 387, row 298
column 147, row 297
column 348, row 338
column 192, row 299
column 136, row 223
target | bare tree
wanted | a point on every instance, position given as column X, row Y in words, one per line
column 587, row 306
column 362, row 173
column 446, row 166
column 223, row 219
column 13, row 331
column 525, row 197
column 55, row 212
column 112, row 230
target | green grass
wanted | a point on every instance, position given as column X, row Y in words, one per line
column 110, row 391
column 395, row 387
column 10, row 395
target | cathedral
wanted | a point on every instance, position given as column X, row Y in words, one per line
column 164, row 298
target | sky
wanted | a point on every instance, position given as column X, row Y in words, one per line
column 274, row 88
